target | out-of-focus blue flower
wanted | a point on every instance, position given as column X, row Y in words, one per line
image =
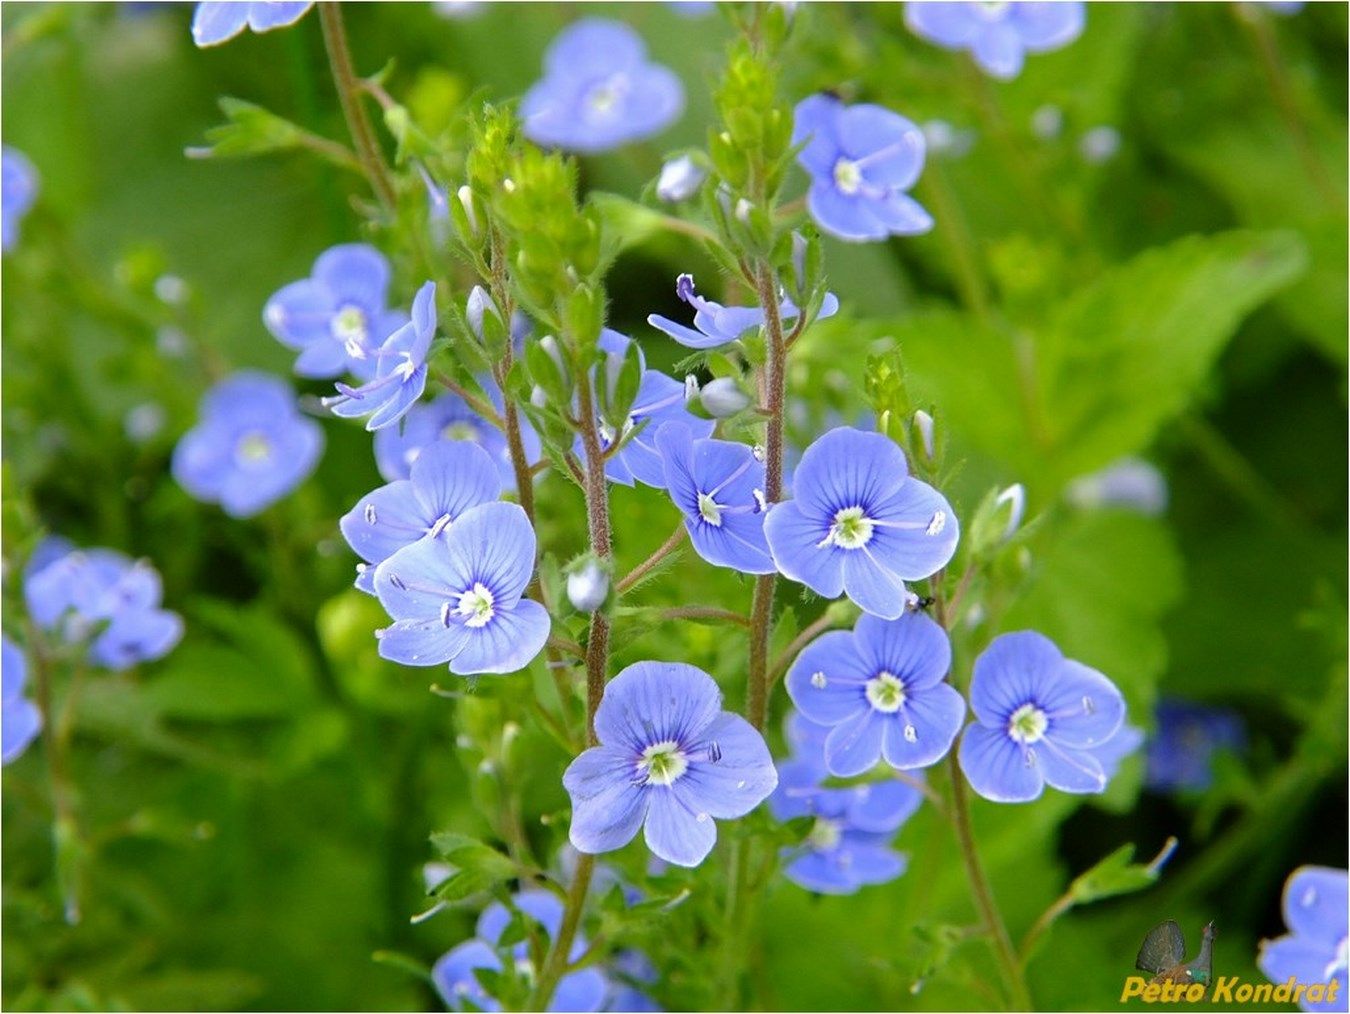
column 20, row 719
column 630, row 972
column 859, row 524
column 1316, row 949
column 1181, row 752
column 692, row 8
column 599, row 91
column 218, row 22
column 718, row 485
column 1131, row 483
column 848, row 846
column 1100, row 144
column 998, row 35
column 861, row 160
column 18, row 191
column 100, row 593
column 447, row 480
column 660, row 400
column 1040, row 717
column 448, row 418
column 680, row 179
column 338, row 317
column 457, row 598
column 400, row 370
column 669, row 757
column 454, row 978
column 881, row 688
column 588, row 587
column 718, row 324
column 250, row 447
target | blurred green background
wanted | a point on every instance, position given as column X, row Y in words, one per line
column 254, row 809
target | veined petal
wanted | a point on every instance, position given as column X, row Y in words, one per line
column 730, row 771
column 506, row 643
column 674, row 832
column 1067, row 769
column 1084, row 707
column 354, row 273
column 217, row 22
column 609, row 819
column 996, row 767
column 913, row 647
column 495, row 545
column 420, row 642
column 854, row 745
column 794, row 541
column 1014, row 670
column 826, row 680
column 921, row 732
column 384, row 521
column 451, row 477
column 650, row 702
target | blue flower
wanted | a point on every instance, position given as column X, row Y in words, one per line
column 881, row 688
column 998, row 35
column 660, row 400
column 1181, row 751
column 449, row 418
column 630, row 970
column 251, row 446
column 20, row 719
column 861, row 160
column 718, row 324
column 1040, row 717
column 219, row 22
column 599, row 91
column 456, row 598
column 1131, row 483
column 670, row 758
column 1315, row 950
column 400, row 370
column 859, row 524
column 1113, row 752
column 447, row 480
column 718, row 486
column 338, row 317
column 18, row 191
column 104, row 595
column 848, row 846
column 454, row 978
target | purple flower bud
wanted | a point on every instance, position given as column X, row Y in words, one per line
column 680, row 179
column 724, row 397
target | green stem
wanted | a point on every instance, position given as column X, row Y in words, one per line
column 349, row 94
column 660, row 553
column 65, row 827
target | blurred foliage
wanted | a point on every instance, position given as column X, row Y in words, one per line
column 255, row 809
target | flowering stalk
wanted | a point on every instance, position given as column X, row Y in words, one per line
column 348, row 89
column 1013, row 974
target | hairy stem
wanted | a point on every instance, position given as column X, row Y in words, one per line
column 660, row 553
column 997, row 930
column 349, row 89
column 65, row 829
column 597, row 657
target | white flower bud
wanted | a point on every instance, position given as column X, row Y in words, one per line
column 923, row 422
column 1047, row 122
column 690, row 388
column 1015, row 496
column 680, row 179
column 1100, row 144
column 588, row 587
column 724, row 397
column 743, row 209
column 479, row 302
column 465, row 195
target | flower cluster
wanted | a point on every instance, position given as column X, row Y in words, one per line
column 599, row 91
column 101, row 597
column 251, row 446
column 719, row 325
column 669, row 759
column 848, row 844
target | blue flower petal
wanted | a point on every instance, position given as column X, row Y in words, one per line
column 826, row 680
column 854, row 745
column 384, row 521
column 794, row 541
column 354, row 273
column 607, row 808
column 922, row 732
column 265, row 15
column 453, row 477
column 420, row 642
column 1085, row 708
column 217, row 22
column 507, row 643
column 1067, row 769
column 649, row 702
column 997, row 768
column 454, row 979
column 730, row 772
column 676, row 833
column 20, row 722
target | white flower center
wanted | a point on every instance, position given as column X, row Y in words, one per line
column 604, row 97
column 1027, row 724
column 477, row 604
column 710, row 510
column 662, row 763
column 851, row 529
column 349, row 327
column 825, row 835
column 991, row 10
column 253, row 449
column 847, row 176
column 460, row 431
column 885, row 692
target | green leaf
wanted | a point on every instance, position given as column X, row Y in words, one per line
column 1117, row 874
column 252, row 130
column 626, row 223
column 478, row 866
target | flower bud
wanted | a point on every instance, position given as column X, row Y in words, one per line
column 690, row 388
column 1047, row 121
column 1099, row 145
column 465, row 195
column 588, row 587
column 1015, row 496
column 923, row 423
column 724, row 397
column 478, row 303
column 680, row 179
